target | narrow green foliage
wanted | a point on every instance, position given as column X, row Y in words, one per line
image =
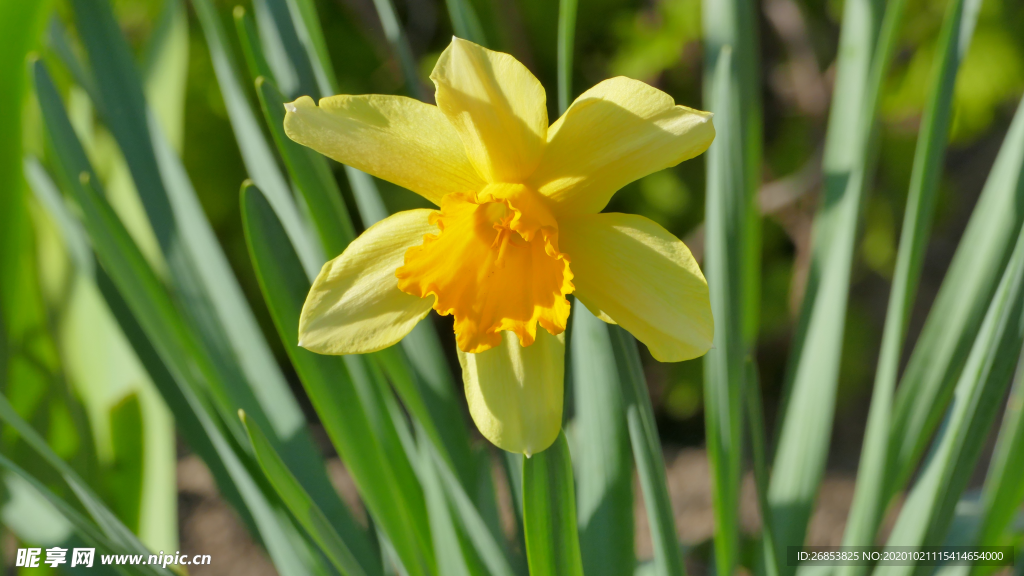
column 488, row 546
column 110, row 527
column 1003, row 491
column 256, row 152
column 724, row 224
column 123, row 482
column 439, row 416
column 732, row 251
column 344, row 394
column 199, row 267
column 311, row 36
column 650, row 464
column 306, row 511
column 566, row 37
column 400, row 46
column 549, row 513
column 604, row 467
column 170, row 349
column 955, row 318
column 733, row 24
column 465, row 22
column 929, row 509
column 89, row 532
column 848, row 165
column 870, row 498
column 248, row 37
column 285, row 52
column 758, row 433
column 311, row 175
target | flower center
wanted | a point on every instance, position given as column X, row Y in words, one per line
column 495, row 265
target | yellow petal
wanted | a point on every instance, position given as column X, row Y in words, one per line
column 355, row 306
column 394, row 138
column 515, row 392
column 637, row 273
column 613, row 134
column 497, row 106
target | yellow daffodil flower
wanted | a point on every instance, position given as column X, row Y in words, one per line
column 519, row 227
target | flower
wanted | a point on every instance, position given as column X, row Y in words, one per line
column 519, row 227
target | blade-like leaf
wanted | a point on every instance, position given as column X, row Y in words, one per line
column 255, row 59
column 256, row 152
column 465, row 22
column 929, row 509
column 724, row 224
column 110, row 527
column 942, row 348
column 566, row 37
column 285, row 53
column 733, row 24
column 758, row 432
column 650, row 464
column 305, row 510
column 166, row 346
column 604, row 468
column 311, row 175
column 549, row 513
column 848, row 165
column 88, row 531
column 350, row 407
column 870, row 497
column 400, row 46
column 1003, row 491
column 248, row 373
column 487, row 546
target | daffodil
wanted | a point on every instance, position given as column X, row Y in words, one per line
column 519, row 227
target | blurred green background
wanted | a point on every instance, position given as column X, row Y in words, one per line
column 657, row 41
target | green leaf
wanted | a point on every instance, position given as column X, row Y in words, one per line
column 734, row 24
column 251, row 49
column 310, row 173
column 305, row 510
column 724, row 224
column 566, row 37
column 732, row 254
column 27, row 352
column 758, row 433
column 350, row 406
column 123, row 481
column 165, row 70
column 650, row 464
column 604, row 466
column 166, row 346
column 870, row 497
column 440, row 417
column 307, row 26
column 90, row 532
column 285, row 52
column 465, row 22
column 1003, row 491
column 256, row 152
column 848, row 165
column 942, row 348
column 487, row 546
column 928, row 511
column 109, row 526
column 248, row 374
column 400, row 46
column 549, row 513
